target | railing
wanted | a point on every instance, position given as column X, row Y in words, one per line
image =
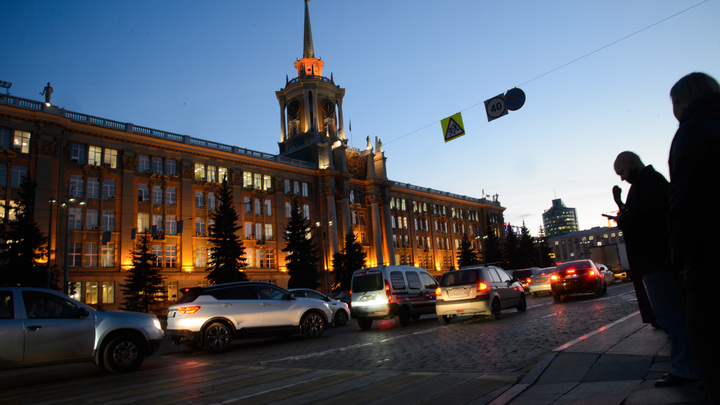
column 447, row 194
column 130, row 128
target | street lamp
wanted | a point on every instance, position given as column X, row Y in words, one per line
column 66, row 269
column 48, row 271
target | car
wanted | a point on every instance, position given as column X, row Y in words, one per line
column 344, row 296
column 577, row 277
column 478, row 290
column 40, row 326
column 540, row 281
column 607, row 273
column 402, row 292
column 211, row 317
column 340, row 310
column 524, row 275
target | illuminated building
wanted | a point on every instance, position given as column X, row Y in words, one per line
column 559, row 219
column 133, row 179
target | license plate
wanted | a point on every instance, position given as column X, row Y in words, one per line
column 571, row 276
column 367, row 298
column 458, row 293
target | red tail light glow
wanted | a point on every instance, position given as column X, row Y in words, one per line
column 554, row 277
column 188, row 310
column 438, row 291
column 570, row 271
column 482, row 287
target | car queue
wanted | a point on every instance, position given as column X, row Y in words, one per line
column 36, row 325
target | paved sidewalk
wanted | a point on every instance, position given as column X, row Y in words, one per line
column 617, row 364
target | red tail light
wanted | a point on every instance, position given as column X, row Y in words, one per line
column 482, row 287
column 438, row 292
column 554, row 277
column 188, row 310
column 570, row 271
column 387, row 292
column 592, row 273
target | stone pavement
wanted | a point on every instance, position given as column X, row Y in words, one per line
column 617, row 364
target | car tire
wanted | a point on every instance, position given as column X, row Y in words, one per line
column 403, row 317
column 446, row 319
column 364, row 323
column 522, row 305
column 217, row 337
column 312, row 325
column 124, row 353
column 495, row 308
column 534, row 294
column 341, row 318
column 557, row 297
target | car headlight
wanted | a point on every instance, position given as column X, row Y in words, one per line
column 156, row 323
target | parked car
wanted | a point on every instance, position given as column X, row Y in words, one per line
column 403, row 292
column 478, row 290
column 576, row 277
column 607, row 273
column 40, row 326
column 540, row 281
column 340, row 310
column 211, row 317
column 524, row 275
column 344, row 296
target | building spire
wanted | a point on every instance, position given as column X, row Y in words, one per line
column 308, row 51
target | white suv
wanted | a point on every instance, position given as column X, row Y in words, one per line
column 39, row 326
column 211, row 317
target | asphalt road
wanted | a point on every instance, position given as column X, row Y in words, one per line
column 470, row 359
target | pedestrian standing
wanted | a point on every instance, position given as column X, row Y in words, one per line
column 694, row 219
column 643, row 221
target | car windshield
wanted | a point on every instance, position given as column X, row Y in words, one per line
column 364, row 282
column 574, row 265
column 459, row 277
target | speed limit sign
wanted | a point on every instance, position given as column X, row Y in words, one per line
column 496, row 107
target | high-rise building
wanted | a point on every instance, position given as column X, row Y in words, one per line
column 559, row 219
column 101, row 182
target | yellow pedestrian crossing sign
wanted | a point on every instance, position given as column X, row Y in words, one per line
column 452, row 127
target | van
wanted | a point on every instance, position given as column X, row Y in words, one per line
column 403, row 292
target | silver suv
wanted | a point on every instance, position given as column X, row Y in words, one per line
column 39, row 326
column 211, row 317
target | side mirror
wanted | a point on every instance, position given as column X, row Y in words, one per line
column 290, row 297
column 83, row 313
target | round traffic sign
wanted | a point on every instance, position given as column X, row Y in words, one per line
column 496, row 107
column 514, row 98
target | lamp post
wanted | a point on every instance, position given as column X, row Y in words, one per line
column 48, row 271
column 66, row 269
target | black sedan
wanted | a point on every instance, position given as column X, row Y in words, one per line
column 577, row 277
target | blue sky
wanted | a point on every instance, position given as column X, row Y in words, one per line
column 596, row 76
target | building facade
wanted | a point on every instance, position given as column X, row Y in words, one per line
column 603, row 245
column 102, row 182
column 559, row 219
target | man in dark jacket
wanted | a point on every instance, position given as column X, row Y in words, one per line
column 694, row 217
column 643, row 220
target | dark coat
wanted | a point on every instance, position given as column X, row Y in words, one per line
column 694, row 218
column 644, row 223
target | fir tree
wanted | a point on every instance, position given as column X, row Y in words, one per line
column 544, row 251
column 22, row 244
column 227, row 261
column 467, row 256
column 492, row 248
column 143, row 288
column 527, row 255
column 302, row 254
column 345, row 263
column 510, row 250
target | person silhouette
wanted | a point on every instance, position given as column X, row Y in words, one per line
column 47, row 91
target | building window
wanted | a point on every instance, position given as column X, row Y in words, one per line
column 223, row 174
column 170, row 196
column 157, row 195
column 170, row 255
column 94, row 155
column 77, row 153
column 91, row 220
column 108, row 221
column 21, row 141
column 107, row 256
column 200, row 257
column 212, row 174
column 158, row 253
column 108, row 189
column 3, row 175
column 144, row 164
column 157, row 223
column 91, row 292
column 269, row 232
column 93, row 187
column 248, row 230
column 247, row 205
column 75, row 219
column 17, row 175
column 143, row 222
column 199, row 172
column 157, row 165
column 199, row 226
column 268, row 207
column 170, row 225
column 108, row 292
column 74, row 254
column 110, row 159
column 211, row 201
column 172, row 291
column 143, row 193
column 199, row 199
column 91, row 254
column 76, row 186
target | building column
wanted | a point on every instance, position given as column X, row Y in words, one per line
column 376, row 229
column 341, row 131
column 283, row 124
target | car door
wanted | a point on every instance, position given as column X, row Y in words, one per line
column 499, row 286
column 239, row 304
column 512, row 294
column 276, row 308
column 12, row 336
column 54, row 328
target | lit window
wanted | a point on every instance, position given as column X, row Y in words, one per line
column 94, row 155
column 21, row 141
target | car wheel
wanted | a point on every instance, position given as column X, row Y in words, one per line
column 522, row 306
column 403, row 318
column 124, row 353
column 495, row 308
column 312, row 325
column 445, row 319
column 557, row 297
column 364, row 323
column 341, row 318
column 218, row 337
column 534, row 294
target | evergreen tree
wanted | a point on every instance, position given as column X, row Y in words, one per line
column 302, row 254
column 143, row 288
column 345, row 263
column 467, row 256
column 510, row 250
column 492, row 247
column 227, row 261
column 527, row 253
column 22, row 244
column 545, row 253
